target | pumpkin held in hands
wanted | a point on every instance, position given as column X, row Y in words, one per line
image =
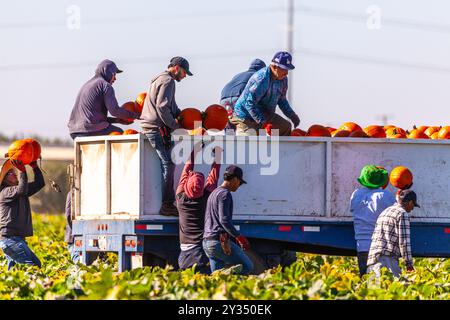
column 189, row 117
column 21, row 150
column 216, row 117
column 401, row 177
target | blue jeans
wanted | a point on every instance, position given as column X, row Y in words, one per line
column 385, row 261
column 74, row 255
column 196, row 255
column 218, row 259
column 16, row 251
column 167, row 165
column 103, row 132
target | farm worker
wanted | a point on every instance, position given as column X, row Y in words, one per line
column 15, row 211
column 96, row 97
column 219, row 226
column 68, row 236
column 391, row 238
column 191, row 196
column 366, row 204
column 158, row 120
column 267, row 88
column 233, row 89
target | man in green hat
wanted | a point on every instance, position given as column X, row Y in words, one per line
column 366, row 204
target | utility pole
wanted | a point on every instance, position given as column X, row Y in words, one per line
column 290, row 44
column 384, row 118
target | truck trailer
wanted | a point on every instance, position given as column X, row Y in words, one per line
column 297, row 198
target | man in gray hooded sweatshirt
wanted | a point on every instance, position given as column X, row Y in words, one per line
column 89, row 115
column 159, row 120
column 233, row 89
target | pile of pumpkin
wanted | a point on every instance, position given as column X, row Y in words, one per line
column 25, row 150
column 195, row 121
column 353, row 130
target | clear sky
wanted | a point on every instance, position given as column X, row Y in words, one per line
column 345, row 70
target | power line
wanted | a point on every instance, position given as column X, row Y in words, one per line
column 404, row 23
column 210, row 56
column 136, row 19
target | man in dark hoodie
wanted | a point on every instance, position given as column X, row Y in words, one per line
column 159, row 120
column 15, row 211
column 89, row 115
column 233, row 89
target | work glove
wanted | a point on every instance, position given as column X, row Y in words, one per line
column 34, row 164
column 225, row 243
column 268, row 127
column 243, row 242
column 19, row 165
column 165, row 134
column 410, row 268
column 295, row 119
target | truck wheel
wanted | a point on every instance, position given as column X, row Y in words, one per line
column 259, row 264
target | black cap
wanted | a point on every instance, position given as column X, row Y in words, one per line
column 236, row 172
column 408, row 195
column 182, row 62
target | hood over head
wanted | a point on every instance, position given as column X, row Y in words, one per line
column 106, row 69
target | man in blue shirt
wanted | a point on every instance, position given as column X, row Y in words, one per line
column 219, row 226
column 233, row 89
column 267, row 88
column 366, row 204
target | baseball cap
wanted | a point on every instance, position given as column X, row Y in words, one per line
column 408, row 195
column 236, row 172
column 283, row 60
column 182, row 62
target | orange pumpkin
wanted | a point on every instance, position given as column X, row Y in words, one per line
column 115, row 133
column 140, row 102
column 435, row 135
column 21, row 150
column 386, row 127
column 375, row 131
column 401, row 177
column 298, row 133
column 432, row 130
column 197, row 132
column 130, row 106
column 420, row 128
column 416, row 134
column 331, row 129
column 395, row 133
column 316, row 130
column 216, row 117
column 358, row 134
column 444, row 133
column 340, row 133
column 350, row 126
column 36, row 149
column 130, row 131
column 189, row 116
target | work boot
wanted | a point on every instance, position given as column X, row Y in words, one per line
column 168, row 209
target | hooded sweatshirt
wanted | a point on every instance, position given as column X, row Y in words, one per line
column 235, row 87
column 94, row 100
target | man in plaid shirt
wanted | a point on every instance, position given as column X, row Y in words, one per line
column 391, row 238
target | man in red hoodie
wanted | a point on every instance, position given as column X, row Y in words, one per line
column 191, row 196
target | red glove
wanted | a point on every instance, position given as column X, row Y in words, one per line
column 243, row 242
column 268, row 127
column 19, row 165
column 34, row 164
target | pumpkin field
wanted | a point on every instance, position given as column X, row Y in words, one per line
column 310, row 277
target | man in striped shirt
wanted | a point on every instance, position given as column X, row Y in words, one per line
column 391, row 238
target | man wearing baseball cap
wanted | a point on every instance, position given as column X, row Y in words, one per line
column 391, row 238
column 219, row 226
column 366, row 204
column 267, row 88
column 158, row 121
